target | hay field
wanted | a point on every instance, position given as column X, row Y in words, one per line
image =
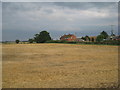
column 59, row 66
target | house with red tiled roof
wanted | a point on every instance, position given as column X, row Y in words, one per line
column 69, row 37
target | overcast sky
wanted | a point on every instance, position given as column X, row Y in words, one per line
column 21, row 20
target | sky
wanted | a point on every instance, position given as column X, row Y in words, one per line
column 22, row 20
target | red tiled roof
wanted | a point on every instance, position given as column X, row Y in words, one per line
column 69, row 35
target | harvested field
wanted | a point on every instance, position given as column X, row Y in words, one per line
column 59, row 66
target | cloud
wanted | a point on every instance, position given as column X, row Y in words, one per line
column 57, row 17
column 87, row 5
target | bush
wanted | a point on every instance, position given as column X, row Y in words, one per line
column 53, row 41
column 107, row 42
column 112, row 42
column 72, row 42
column 42, row 37
column 17, row 41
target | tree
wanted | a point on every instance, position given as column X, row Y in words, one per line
column 17, row 41
column 83, row 38
column 105, row 35
column 30, row 40
column 42, row 37
column 87, row 38
column 100, row 38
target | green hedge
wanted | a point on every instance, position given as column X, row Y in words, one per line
column 107, row 42
column 61, row 41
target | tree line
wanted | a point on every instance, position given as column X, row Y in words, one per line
column 103, row 35
column 44, row 37
column 41, row 37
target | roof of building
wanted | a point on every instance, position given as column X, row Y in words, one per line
column 69, row 35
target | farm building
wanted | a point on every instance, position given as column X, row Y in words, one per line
column 69, row 37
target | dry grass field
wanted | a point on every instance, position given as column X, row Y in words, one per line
column 59, row 66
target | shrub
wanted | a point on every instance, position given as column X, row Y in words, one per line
column 42, row 37
column 17, row 41
column 107, row 42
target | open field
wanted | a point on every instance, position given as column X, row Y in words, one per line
column 59, row 66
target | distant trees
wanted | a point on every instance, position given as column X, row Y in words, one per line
column 31, row 40
column 86, row 38
column 42, row 37
column 83, row 38
column 100, row 38
column 17, row 41
column 103, row 35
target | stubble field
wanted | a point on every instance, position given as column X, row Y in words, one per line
column 59, row 66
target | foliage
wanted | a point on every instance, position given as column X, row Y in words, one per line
column 106, row 42
column 100, row 38
column 42, row 37
column 86, row 38
column 83, row 38
column 17, row 41
column 57, row 41
column 105, row 35
column 112, row 42
column 30, row 40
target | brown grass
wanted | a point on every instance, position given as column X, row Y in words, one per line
column 59, row 66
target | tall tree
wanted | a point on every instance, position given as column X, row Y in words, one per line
column 42, row 37
column 100, row 38
column 105, row 35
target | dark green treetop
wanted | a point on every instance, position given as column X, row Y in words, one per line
column 42, row 37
